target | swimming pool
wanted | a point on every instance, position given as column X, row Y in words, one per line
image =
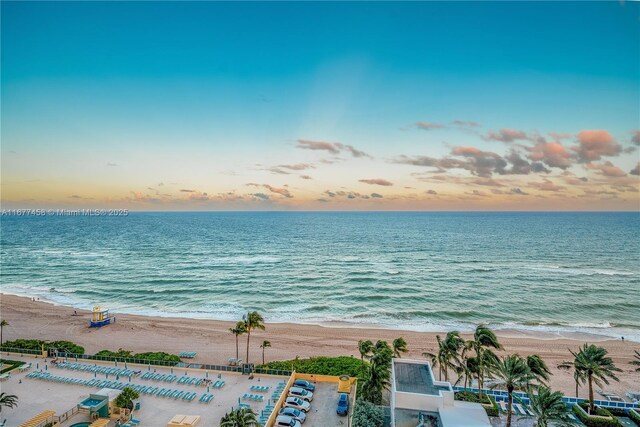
column 90, row 402
column 80, row 425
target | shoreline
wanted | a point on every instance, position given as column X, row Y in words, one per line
column 540, row 332
column 214, row 343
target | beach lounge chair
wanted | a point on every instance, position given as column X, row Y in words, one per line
column 208, row 399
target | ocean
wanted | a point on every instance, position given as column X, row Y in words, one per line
column 557, row 272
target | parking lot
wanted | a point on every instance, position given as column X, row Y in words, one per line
column 323, row 407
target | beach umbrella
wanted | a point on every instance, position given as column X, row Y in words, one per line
column 172, row 371
column 125, row 365
column 46, row 367
column 207, row 374
column 95, row 374
column 208, row 390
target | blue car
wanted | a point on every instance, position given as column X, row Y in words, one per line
column 343, row 404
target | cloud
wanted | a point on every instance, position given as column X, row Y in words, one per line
column 552, row 154
column 607, row 169
column 560, row 135
column 636, row 137
column 297, row 166
column 488, row 182
column 111, row 164
column 281, row 191
column 377, row 181
column 546, row 185
column 481, row 163
column 595, row 144
column 433, row 192
column 185, row 190
column 465, row 123
column 261, row 196
column 77, row 197
column 198, row 196
column 518, row 191
column 331, row 147
column 636, row 170
column 506, row 135
column 323, row 200
column 376, row 195
column 305, row 177
column 429, row 126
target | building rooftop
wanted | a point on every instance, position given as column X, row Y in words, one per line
column 415, row 378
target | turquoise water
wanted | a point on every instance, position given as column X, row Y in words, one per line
column 419, row 271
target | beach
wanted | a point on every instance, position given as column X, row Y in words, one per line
column 214, row 343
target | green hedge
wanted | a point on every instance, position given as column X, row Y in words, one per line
column 11, row 364
column 157, row 356
column 341, row 365
column 633, row 415
column 488, row 402
column 38, row 344
column 367, row 414
column 596, row 422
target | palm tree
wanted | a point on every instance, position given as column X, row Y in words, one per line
column 547, row 406
column 447, row 356
column 264, row 345
column 3, row 323
column 467, row 369
column 244, row 417
column 8, row 400
column 538, row 368
column 483, row 340
column 365, row 348
column 512, row 373
column 399, row 346
column 379, row 373
column 594, row 365
column 636, row 362
column 578, row 376
column 253, row 320
column 238, row 330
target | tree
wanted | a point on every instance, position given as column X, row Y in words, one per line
column 378, row 373
column 252, row 320
column 3, row 323
column 8, row 400
column 238, row 330
column 399, row 346
column 512, row 373
column 547, row 406
column 447, row 356
column 538, row 368
column 365, row 348
column 636, row 361
column 264, row 345
column 467, row 369
column 594, row 365
column 126, row 398
column 366, row 414
column 244, row 417
column 483, row 341
column 578, row 376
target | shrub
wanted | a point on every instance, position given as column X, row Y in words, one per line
column 596, row 422
column 157, row 356
column 341, row 365
column 10, row 364
column 126, row 398
column 634, row 416
column 367, row 414
column 22, row 344
column 488, row 403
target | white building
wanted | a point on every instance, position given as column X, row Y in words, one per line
column 417, row 397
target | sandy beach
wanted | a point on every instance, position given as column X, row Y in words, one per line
column 214, row 343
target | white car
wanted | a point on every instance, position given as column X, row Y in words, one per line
column 297, row 403
column 301, row 393
column 287, row 421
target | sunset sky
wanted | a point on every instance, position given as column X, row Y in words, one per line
column 321, row 106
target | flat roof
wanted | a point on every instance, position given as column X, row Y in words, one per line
column 414, row 378
column 464, row 414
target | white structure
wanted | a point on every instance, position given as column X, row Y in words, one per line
column 417, row 396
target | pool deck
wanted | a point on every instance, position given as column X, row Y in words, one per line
column 36, row 395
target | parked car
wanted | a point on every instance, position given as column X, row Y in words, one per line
column 295, row 413
column 301, row 393
column 305, row 385
column 297, row 403
column 287, row 421
column 343, row 404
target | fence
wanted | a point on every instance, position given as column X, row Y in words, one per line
column 64, row 417
column 501, row 395
column 146, row 362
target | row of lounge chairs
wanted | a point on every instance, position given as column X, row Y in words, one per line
column 277, row 392
column 254, row 397
column 85, row 367
column 152, row 376
column 218, row 384
column 260, row 388
column 148, row 390
column 190, row 381
column 188, row 354
column 205, row 398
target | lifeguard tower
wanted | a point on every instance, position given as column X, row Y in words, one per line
column 100, row 317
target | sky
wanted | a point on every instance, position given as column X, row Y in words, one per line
column 321, row 106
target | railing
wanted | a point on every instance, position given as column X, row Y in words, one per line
column 64, row 417
column 20, row 351
column 501, row 395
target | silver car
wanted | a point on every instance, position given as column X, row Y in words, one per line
column 287, row 421
column 297, row 403
column 301, row 393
